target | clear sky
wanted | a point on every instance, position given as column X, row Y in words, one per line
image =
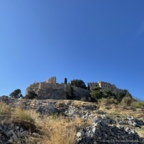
column 91, row 40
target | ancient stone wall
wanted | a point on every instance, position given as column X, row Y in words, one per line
column 48, row 91
column 51, row 80
column 92, row 85
column 81, row 93
column 105, row 86
column 52, row 90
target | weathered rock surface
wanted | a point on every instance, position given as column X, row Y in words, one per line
column 103, row 130
column 15, row 133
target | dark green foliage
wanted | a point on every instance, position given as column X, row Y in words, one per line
column 127, row 94
column 78, row 83
column 70, row 92
column 127, row 100
column 120, row 96
column 65, row 81
column 96, row 94
column 31, row 95
column 108, row 94
column 88, row 87
column 16, row 94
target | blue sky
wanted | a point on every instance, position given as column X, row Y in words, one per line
column 91, row 40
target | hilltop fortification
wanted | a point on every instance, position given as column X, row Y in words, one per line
column 105, row 86
column 50, row 89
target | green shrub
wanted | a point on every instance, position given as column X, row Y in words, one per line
column 78, row 83
column 16, row 94
column 70, row 92
column 30, row 95
column 108, row 101
column 96, row 94
column 127, row 101
column 137, row 104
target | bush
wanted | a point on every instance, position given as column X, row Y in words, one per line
column 70, row 92
column 4, row 109
column 78, row 83
column 127, row 101
column 31, row 95
column 108, row 101
column 96, row 94
column 16, row 94
column 137, row 104
column 108, row 93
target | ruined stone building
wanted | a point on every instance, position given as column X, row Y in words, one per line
column 52, row 90
column 104, row 86
column 48, row 89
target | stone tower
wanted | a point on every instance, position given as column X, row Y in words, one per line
column 51, row 80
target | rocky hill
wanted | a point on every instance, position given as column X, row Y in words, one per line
column 69, row 122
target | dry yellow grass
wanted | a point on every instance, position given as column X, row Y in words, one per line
column 4, row 109
column 140, row 132
column 59, row 129
column 20, row 115
column 55, row 130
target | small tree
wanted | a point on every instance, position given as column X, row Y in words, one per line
column 70, row 92
column 127, row 101
column 96, row 93
column 127, row 94
column 31, row 95
column 16, row 94
column 109, row 94
column 65, row 80
column 78, row 83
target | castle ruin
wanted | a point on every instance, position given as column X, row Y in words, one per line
column 52, row 90
column 104, row 86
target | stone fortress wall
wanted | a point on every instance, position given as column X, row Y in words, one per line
column 105, row 86
column 52, row 90
column 48, row 89
column 81, row 93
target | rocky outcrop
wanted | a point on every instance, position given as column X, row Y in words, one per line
column 15, row 133
column 102, row 130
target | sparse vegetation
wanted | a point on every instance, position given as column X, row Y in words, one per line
column 70, row 92
column 137, row 104
column 108, row 101
column 31, row 95
column 58, row 129
column 16, row 94
column 78, row 83
column 96, row 94
column 4, row 109
column 127, row 101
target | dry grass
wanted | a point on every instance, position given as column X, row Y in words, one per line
column 59, row 129
column 4, row 109
column 55, row 130
column 20, row 115
column 140, row 132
